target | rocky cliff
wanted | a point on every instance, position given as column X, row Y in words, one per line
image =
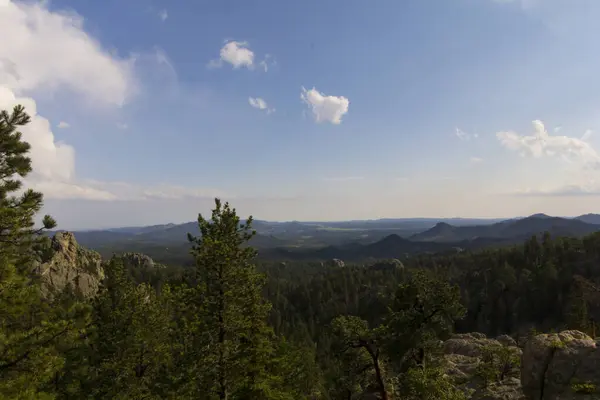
column 70, row 264
column 137, row 260
column 472, row 357
column 559, row 366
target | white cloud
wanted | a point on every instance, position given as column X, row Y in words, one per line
column 325, row 108
column 476, row 160
column 589, row 188
column 267, row 62
column 163, row 15
column 48, row 50
column 259, row 103
column 587, row 134
column 67, row 190
column 235, row 53
column 120, row 191
column 462, row 135
column 123, row 191
column 122, row 126
column 50, row 160
column 540, row 144
column 63, row 125
column 51, row 51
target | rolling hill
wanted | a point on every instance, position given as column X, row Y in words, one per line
column 350, row 240
column 510, row 229
column 272, row 234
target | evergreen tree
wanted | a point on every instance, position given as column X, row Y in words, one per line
column 18, row 237
column 360, row 349
column 229, row 344
column 128, row 350
column 28, row 330
column 422, row 311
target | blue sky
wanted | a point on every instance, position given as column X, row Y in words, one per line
column 146, row 110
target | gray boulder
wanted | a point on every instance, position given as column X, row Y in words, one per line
column 464, row 354
column 561, row 366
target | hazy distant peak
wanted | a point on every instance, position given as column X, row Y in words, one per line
column 540, row 215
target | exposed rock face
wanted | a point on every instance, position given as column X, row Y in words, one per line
column 71, row 264
column 561, row 366
column 558, row 366
column 464, row 353
column 335, row 263
column 138, row 260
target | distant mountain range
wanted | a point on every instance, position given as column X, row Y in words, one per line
column 351, row 240
column 273, row 234
column 512, row 229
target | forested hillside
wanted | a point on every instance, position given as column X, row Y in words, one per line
column 73, row 326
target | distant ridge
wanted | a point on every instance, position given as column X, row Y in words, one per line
column 385, row 238
column 510, row 229
column 589, row 218
column 540, row 215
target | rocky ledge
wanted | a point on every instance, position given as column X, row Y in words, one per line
column 557, row 366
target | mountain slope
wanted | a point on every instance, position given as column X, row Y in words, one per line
column 589, row 218
column 509, row 229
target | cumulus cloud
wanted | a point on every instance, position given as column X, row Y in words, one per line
column 325, row 108
column 63, row 125
column 541, row 144
column 50, row 50
column 235, row 53
column 50, row 160
column 260, row 104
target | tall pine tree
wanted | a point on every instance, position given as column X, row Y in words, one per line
column 28, row 332
column 230, row 347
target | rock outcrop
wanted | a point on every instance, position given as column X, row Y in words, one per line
column 335, row 263
column 137, row 260
column 557, row 366
column 561, row 366
column 70, row 265
column 464, row 354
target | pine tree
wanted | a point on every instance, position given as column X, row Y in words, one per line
column 128, row 343
column 18, row 237
column 28, row 330
column 229, row 345
column 359, row 349
column 423, row 311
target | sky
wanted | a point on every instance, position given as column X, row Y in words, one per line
column 144, row 111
